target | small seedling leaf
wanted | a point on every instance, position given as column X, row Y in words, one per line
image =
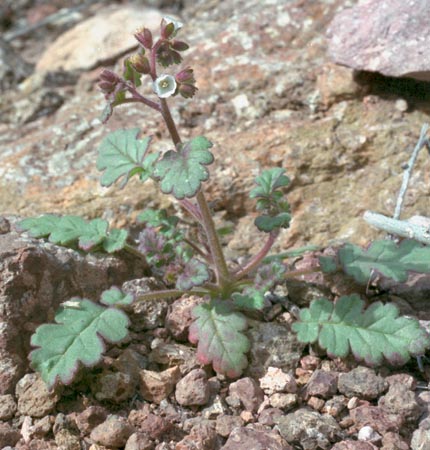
column 115, row 240
column 218, row 331
column 122, row 155
column 371, row 335
column 114, row 296
column 194, row 273
column 182, row 172
column 268, row 223
column 268, row 182
column 328, row 264
column 76, row 338
column 385, row 257
column 250, row 299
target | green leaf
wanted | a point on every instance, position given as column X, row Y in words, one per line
column 218, row 330
column 115, row 240
column 328, row 264
column 249, row 299
column 268, row 182
column 182, row 172
column 39, row 227
column 122, row 154
column 385, row 257
column 76, row 337
column 160, row 219
column 268, row 275
column 267, row 223
column 370, row 335
column 114, row 296
column 194, row 273
column 130, row 74
column 71, row 230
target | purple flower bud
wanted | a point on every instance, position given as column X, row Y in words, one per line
column 106, row 87
column 140, row 63
column 108, row 75
column 187, row 90
column 180, row 46
column 144, row 37
column 167, row 29
column 185, row 76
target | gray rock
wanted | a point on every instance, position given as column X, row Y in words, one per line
column 386, row 36
column 362, row 382
column 226, row 423
column 35, row 277
column 309, row 428
column 114, row 387
column 13, row 68
column 272, row 345
column 245, row 439
column 420, row 439
column 193, row 389
column 88, row 419
column 8, row 407
column 400, row 400
column 353, row 445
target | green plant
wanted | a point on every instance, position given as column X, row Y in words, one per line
column 192, row 261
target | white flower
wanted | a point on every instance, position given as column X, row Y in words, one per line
column 176, row 24
column 164, row 86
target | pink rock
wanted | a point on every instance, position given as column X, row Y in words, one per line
column 90, row 418
column 248, row 392
column 386, row 36
column 276, row 380
column 113, row 432
column 193, row 389
column 179, row 318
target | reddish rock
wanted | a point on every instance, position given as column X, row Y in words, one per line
column 248, row 392
column 193, row 389
column 87, row 420
column 202, row 437
column 322, row 384
column 151, row 425
column 139, row 441
column 401, row 401
column 392, row 441
column 179, row 318
column 354, row 445
column 113, row 432
column 34, row 399
column 375, row 417
column 8, row 435
column 156, row 386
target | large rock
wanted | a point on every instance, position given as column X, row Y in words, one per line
column 386, row 36
column 35, row 277
column 97, row 40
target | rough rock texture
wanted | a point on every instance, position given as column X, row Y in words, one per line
column 35, row 277
column 361, row 381
column 156, row 386
column 193, row 389
column 309, row 428
column 245, row 439
column 113, row 432
column 386, row 36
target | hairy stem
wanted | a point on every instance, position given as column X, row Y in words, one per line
column 221, row 270
column 140, row 98
column 255, row 261
column 169, row 293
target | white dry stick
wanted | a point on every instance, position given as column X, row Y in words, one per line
column 416, row 227
column 407, row 175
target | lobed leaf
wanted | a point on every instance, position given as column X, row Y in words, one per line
column 268, row 223
column 370, row 335
column 218, row 331
column 385, row 257
column 160, row 219
column 122, row 155
column 269, row 181
column 76, row 338
column 182, row 172
column 114, row 296
column 69, row 230
column 250, row 298
column 194, row 273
